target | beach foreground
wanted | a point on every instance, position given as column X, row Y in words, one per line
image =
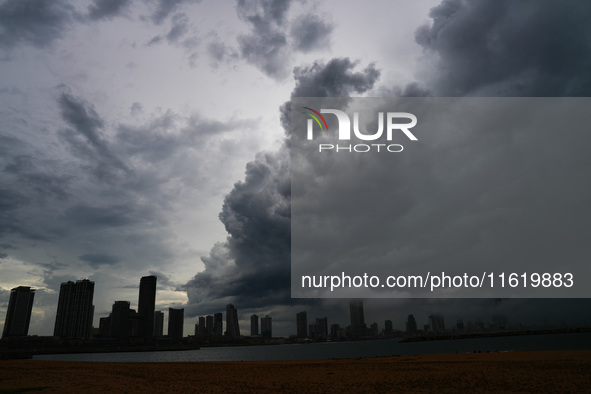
column 544, row 371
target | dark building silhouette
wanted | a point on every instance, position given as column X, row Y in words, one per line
column 232, row 327
column 201, row 329
column 411, row 325
column 336, row 332
column 146, row 307
column 254, row 325
column 373, row 329
column 358, row 327
column 158, row 324
column 266, row 327
column 302, row 324
column 105, row 327
column 176, row 320
column 75, row 310
column 218, row 324
column 388, row 327
column 319, row 329
column 209, row 324
column 18, row 314
column 436, row 323
column 120, row 327
column 460, row 324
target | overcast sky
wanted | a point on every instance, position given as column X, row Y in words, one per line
column 143, row 138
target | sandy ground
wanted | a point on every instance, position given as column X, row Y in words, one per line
column 552, row 371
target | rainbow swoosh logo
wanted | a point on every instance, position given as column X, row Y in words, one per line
column 316, row 115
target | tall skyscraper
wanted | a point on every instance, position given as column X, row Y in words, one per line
column 302, row 324
column 254, row 325
column 232, row 328
column 201, row 325
column 75, row 310
column 158, row 324
column 18, row 315
column 147, row 306
column 411, row 325
column 358, row 327
column 176, row 320
column 266, row 327
column 120, row 327
column 436, row 323
column 218, row 324
column 209, row 324
column 388, row 326
column 319, row 329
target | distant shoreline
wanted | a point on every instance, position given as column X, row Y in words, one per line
column 33, row 349
column 443, row 337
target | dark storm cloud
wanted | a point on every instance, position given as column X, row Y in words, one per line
column 253, row 266
column 337, row 78
column 310, row 32
column 95, row 260
column 34, row 22
column 107, row 9
column 509, row 48
column 85, row 135
column 111, row 216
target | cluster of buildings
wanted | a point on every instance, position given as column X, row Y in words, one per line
column 75, row 311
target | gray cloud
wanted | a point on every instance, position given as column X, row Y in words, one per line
column 180, row 25
column 220, row 52
column 38, row 23
column 85, row 135
column 165, row 7
column 107, row 9
column 336, row 78
column 271, row 42
column 95, row 260
column 253, row 266
column 509, row 48
column 310, row 32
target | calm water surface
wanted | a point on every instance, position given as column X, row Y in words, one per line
column 328, row 350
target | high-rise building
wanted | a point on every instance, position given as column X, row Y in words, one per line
column 176, row 320
column 358, row 327
column 209, row 324
column 388, row 326
column 319, row 329
column 232, row 327
column 120, row 327
column 105, row 327
column 75, row 310
column 218, row 324
column 266, row 327
column 436, row 323
column 201, row 326
column 336, row 332
column 158, row 324
column 18, row 314
column 302, row 324
column 254, row 325
column 411, row 325
column 146, row 307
